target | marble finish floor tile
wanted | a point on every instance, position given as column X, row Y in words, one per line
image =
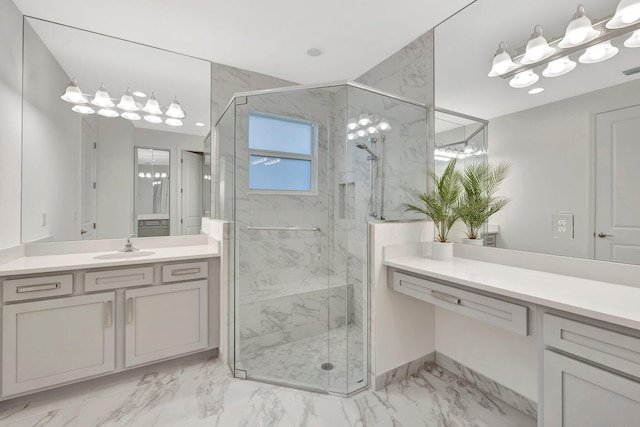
column 202, row 392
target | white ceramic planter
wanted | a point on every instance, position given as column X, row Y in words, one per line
column 476, row 242
column 442, row 251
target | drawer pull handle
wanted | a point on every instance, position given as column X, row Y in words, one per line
column 129, row 310
column 38, row 287
column 445, row 297
column 109, row 314
column 185, row 271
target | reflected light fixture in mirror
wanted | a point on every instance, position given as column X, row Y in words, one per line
column 102, row 98
column 502, row 62
column 598, row 53
column 537, row 47
column 559, row 67
column 524, row 79
column 73, row 94
column 634, row 40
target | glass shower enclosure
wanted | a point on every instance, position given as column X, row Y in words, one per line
column 302, row 171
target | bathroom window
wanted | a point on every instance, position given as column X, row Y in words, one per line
column 282, row 154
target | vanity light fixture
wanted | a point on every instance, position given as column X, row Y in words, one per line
column 579, row 31
column 102, row 98
column 175, row 111
column 127, row 102
column 73, row 94
column 502, row 62
column 634, row 40
column 537, row 47
column 558, row 67
column 627, row 13
column 598, row 53
column 127, row 106
column 366, row 125
column 524, row 79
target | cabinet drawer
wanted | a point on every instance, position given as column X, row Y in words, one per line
column 37, row 287
column 507, row 315
column 613, row 349
column 185, row 271
column 121, row 278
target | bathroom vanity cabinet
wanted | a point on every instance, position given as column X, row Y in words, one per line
column 67, row 326
column 588, row 332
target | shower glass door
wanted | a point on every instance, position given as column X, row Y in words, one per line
column 288, row 299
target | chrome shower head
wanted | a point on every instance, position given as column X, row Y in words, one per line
column 361, row 145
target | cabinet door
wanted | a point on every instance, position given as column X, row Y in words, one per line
column 51, row 342
column 165, row 321
column 577, row 394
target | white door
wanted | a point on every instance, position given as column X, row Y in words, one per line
column 165, row 321
column 51, row 342
column 191, row 192
column 617, row 233
column 88, row 202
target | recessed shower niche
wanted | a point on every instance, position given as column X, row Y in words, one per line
column 330, row 160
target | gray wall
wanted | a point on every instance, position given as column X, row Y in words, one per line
column 10, row 122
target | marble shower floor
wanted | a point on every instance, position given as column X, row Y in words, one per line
column 299, row 362
column 201, row 392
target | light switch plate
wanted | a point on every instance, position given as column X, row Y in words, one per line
column 562, row 226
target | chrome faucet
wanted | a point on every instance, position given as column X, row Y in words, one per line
column 128, row 244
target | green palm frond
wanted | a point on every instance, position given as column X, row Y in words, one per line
column 479, row 183
column 440, row 205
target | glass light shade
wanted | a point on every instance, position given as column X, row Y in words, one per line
column 351, row 136
column 384, row 125
column 73, row 94
column 634, row 40
column 127, row 103
column 153, row 119
column 524, row 79
column 502, row 62
column 102, row 98
column 163, row 175
column 152, row 106
column 173, row 122
column 148, row 175
column 130, row 116
column 364, row 120
column 352, row 125
column 105, row 112
column 627, row 13
column 579, row 31
column 157, row 175
column 83, row 109
column 598, row 53
column 372, row 130
column 141, row 174
column 361, row 133
column 175, row 111
column 537, row 47
column 559, row 67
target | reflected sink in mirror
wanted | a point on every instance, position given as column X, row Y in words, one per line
column 124, row 255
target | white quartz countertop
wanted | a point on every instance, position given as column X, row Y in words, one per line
column 87, row 260
column 609, row 302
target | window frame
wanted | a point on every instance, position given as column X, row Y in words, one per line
column 313, row 157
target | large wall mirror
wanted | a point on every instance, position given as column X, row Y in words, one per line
column 83, row 155
column 569, row 123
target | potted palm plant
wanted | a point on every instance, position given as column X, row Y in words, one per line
column 477, row 203
column 440, row 205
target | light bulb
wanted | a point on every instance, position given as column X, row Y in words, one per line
column 361, row 133
column 537, row 47
column 157, row 175
column 627, row 13
column 352, row 125
column 384, row 125
column 579, row 31
column 372, row 130
column 468, row 149
column 141, row 174
column 364, row 120
column 524, row 79
column 127, row 103
column 73, row 94
column 351, row 136
column 502, row 62
column 634, row 40
column 102, row 98
column 148, row 175
column 152, row 106
column 598, row 53
column 175, row 111
column 163, row 175
column 559, row 67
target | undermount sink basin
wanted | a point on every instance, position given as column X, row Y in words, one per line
column 124, row 255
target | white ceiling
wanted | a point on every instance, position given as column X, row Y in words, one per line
column 466, row 43
column 268, row 37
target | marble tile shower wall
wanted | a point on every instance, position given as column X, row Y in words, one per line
column 285, row 275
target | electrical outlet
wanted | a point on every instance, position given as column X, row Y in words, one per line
column 562, row 226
